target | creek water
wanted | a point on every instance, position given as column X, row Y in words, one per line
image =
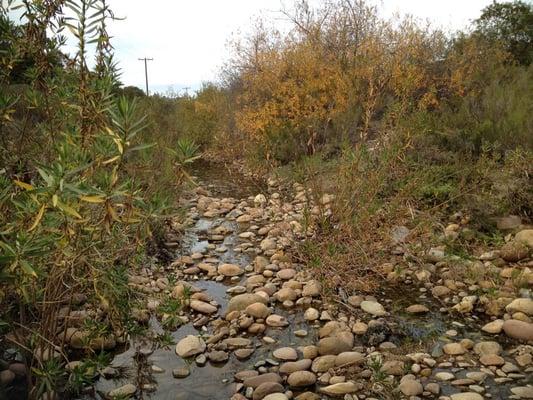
column 213, row 380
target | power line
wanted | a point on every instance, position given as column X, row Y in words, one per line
column 146, row 71
column 186, row 88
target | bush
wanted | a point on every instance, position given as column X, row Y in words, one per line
column 79, row 192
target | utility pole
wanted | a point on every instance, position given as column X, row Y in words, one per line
column 186, row 88
column 146, row 71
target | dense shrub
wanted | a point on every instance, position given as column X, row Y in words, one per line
column 79, row 193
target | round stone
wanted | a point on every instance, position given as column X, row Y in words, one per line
column 190, row 346
column 230, row 270
column 258, row 310
column 285, row 354
column 301, row 379
column 373, row 307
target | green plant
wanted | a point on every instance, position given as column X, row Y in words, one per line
column 75, row 207
column 168, row 310
column 164, row 340
column 50, row 375
column 376, row 366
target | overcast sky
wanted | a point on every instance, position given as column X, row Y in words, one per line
column 188, row 38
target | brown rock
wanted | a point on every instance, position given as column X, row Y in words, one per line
column 518, row 329
column 256, row 381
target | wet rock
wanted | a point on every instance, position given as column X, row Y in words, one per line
column 293, row 366
column 276, row 321
column 243, row 354
column 200, row 360
column 156, row 369
column 340, row 342
column 285, row 294
column 301, row 379
column 123, row 392
column 310, row 352
column 518, row 329
column 285, row 354
column 190, row 346
column 255, row 381
column 258, row 310
column 218, row 356
column 242, row 375
column 202, row 307
column 241, row 301
column 349, row 358
column 181, row 372
column 266, row 389
column 300, row 333
column 230, row 270
column 237, row 343
column 373, row 307
column 322, row 364
column 211, row 270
